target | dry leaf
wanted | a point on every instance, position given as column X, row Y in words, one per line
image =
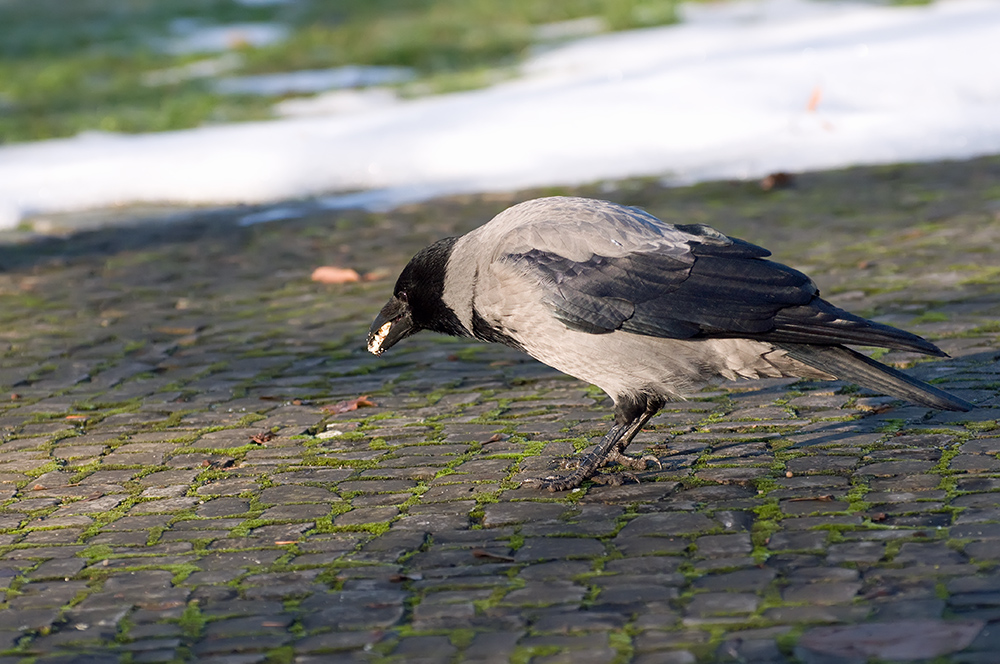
column 176, row 330
column 779, row 180
column 285, row 542
column 375, row 275
column 363, row 401
column 76, row 418
column 262, row 438
column 880, row 591
column 329, row 274
column 824, row 498
column 483, row 553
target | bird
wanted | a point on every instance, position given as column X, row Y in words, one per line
column 650, row 312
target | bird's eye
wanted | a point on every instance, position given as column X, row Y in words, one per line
column 401, row 296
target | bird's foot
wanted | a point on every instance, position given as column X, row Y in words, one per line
column 632, row 462
column 610, row 449
column 554, row 483
column 585, row 468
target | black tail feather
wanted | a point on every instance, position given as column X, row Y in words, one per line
column 852, row 366
column 822, row 323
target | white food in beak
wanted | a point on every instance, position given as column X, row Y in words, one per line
column 375, row 345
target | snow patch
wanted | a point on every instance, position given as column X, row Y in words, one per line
column 737, row 91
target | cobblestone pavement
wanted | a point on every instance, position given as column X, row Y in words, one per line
column 176, row 486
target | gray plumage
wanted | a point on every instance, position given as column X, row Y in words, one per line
column 646, row 310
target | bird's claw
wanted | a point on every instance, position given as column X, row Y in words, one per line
column 585, row 468
column 632, row 462
column 553, row 483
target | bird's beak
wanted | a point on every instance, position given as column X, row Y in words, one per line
column 393, row 323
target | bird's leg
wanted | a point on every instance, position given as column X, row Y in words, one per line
column 609, row 450
column 639, row 410
column 590, row 463
column 617, row 454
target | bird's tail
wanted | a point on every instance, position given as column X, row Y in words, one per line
column 854, row 367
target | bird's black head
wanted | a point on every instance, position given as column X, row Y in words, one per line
column 417, row 300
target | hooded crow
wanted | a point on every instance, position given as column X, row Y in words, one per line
column 646, row 310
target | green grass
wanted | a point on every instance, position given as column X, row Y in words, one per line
column 67, row 67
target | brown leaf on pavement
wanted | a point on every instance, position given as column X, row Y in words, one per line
column 824, row 498
column 363, row 401
column 178, row 330
column 377, row 275
column 262, row 438
column 483, row 553
column 328, row 274
column 780, row 180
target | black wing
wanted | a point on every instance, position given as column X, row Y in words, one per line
column 712, row 291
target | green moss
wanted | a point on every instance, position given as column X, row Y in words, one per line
column 192, row 622
column 982, row 426
column 97, row 552
column 376, row 529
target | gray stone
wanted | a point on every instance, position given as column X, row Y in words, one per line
column 722, row 604
column 404, row 533
column 821, row 593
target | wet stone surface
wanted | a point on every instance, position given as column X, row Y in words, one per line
column 174, row 485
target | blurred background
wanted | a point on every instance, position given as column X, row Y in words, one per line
column 155, row 65
column 111, row 103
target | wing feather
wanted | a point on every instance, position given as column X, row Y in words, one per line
column 713, row 289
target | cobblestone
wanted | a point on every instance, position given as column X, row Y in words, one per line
column 174, row 487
